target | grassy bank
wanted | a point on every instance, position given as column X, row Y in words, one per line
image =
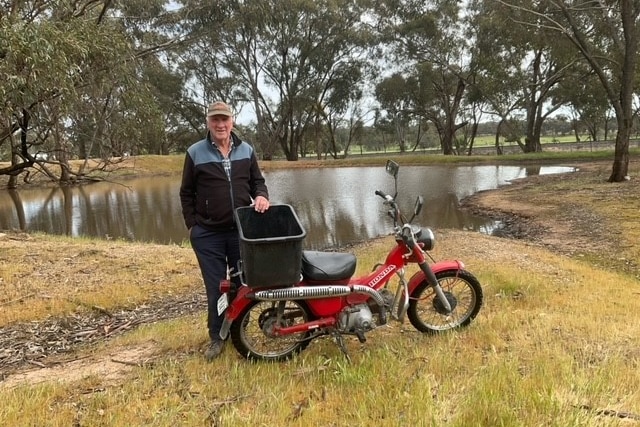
column 554, row 345
column 173, row 163
column 153, row 165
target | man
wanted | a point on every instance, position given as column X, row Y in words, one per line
column 220, row 174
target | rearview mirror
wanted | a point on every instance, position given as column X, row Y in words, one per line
column 392, row 168
column 418, row 206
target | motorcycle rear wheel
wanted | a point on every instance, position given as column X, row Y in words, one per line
column 464, row 293
column 252, row 332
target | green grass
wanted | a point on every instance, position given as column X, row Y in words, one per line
column 490, row 140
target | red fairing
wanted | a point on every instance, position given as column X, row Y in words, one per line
column 437, row 267
column 397, row 256
column 325, row 306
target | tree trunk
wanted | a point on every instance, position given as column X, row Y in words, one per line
column 62, row 148
column 621, row 157
column 537, row 131
column 472, row 138
column 13, row 179
column 625, row 114
column 499, row 151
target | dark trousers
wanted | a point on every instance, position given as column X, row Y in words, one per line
column 216, row 251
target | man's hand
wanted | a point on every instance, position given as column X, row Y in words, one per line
column 261, row 204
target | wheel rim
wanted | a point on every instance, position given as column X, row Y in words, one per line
column 258, row 325
column 461, row 297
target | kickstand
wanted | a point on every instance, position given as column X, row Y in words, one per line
column 340, row 341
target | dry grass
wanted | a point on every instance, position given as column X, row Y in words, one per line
column 552, row 338
column 556, row 343
column 53, row 276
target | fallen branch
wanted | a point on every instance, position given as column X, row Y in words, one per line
column 22, row 298
column 611, row 413
column 32, row 342
column 125, row 362
column 34, row 362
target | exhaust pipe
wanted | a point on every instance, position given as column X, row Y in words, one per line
column 317, row 292
column 298, row 293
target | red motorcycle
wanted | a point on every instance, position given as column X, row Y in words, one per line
column 291, row 296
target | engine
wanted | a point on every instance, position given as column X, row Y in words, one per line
column 354, row 319
column 387, row 298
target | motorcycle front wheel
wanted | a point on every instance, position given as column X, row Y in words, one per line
column 252, row 332
column 464, row 294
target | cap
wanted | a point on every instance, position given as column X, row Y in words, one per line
column 219, row 108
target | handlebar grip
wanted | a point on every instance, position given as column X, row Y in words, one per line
column 381, row 194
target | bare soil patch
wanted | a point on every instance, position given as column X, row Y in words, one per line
column 49, row 350
column 110, row 367
column 577, row 214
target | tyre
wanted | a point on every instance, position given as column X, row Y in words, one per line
column 427, row 314
column 252, row 331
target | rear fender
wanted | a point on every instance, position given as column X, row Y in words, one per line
column 438, row 267
column 239, row 303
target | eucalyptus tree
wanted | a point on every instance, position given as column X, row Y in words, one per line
column 344, row 110
column 382, row 128
column 395, row 95
column 181, row 117
column 72, row 80
column 314, row 54
column 204, row 60
column 291, row 61
column 587, row 102
column 43, row 52
column 491, row 96
column 496, row 83
column 605, row 33
column 520, row 66
column 428, row 44
column 438, row 96
column 341, row 125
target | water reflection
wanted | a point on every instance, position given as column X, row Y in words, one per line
column 145, row 209
column 337, row 206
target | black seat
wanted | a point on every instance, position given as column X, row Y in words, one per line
column 328, row 266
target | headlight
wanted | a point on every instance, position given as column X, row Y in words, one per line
column 427, row 238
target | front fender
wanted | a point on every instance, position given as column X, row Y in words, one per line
column 437, row 267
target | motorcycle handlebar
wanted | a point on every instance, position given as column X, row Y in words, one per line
column 385, row 196
column 407, row 236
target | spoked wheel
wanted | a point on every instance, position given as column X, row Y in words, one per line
column 464, row 294
column 252, row 333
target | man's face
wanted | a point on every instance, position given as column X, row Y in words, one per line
column 220, row 127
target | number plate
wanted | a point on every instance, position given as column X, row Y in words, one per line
column 223, row 303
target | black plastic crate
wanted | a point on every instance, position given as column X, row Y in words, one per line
column 270, row 246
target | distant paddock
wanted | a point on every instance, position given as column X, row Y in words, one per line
column 557, row 146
